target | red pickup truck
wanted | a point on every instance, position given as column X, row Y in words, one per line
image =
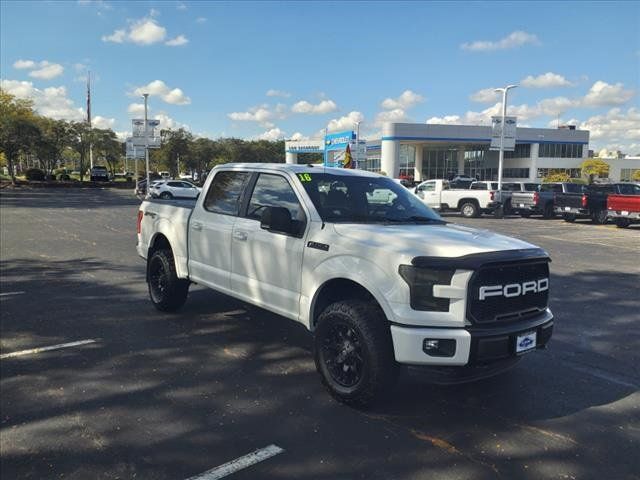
column 624, row 209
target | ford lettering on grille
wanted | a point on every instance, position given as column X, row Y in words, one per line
column 514, row 289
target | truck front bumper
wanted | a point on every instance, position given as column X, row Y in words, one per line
column 471, row 346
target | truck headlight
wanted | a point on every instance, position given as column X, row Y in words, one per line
column 421, row 281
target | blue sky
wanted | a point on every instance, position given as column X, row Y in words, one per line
column 289, row 69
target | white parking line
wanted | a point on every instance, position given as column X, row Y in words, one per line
column 7, row 294
column 239, row 463
column 46, row 349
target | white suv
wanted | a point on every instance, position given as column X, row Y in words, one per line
column 174, row 189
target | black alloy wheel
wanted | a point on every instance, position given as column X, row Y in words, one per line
column 343, row 355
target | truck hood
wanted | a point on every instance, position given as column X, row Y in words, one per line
column 447, row 240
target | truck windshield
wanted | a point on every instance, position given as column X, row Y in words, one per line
column 363, row 199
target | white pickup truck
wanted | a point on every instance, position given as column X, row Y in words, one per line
column 378, row 278
column 470, row 202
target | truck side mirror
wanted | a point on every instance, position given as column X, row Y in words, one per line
column 278, row 220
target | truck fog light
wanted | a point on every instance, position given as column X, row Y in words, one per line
column 439, row 347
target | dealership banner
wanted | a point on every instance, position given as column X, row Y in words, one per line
column 509, row 133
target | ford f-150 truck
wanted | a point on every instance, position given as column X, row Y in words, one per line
column 438, row 195
column 378, row 277
column 542, row 201
column 625, row 209
column 591, row 202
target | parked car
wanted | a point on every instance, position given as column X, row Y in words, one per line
column 167, row 189
column 164, row 174
column 378, row 285
column 542, row 201
column 438, row 195
column 591, row 203
column 624, row 209
column 461, row 181
column 99, row 173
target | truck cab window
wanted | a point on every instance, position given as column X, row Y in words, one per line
column 225, row 192
column 274, row 191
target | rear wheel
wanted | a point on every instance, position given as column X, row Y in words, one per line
column 354, row 353
column 168, row 292
column 469, row 210
column 622, row 222
column 507, row 208
column 599, row 217
column 166, row 196
column 569, row 217
column 548, row 211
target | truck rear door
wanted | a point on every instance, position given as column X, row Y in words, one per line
column 211, row 227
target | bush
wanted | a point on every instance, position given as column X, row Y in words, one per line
column 50, row 178
column 34, row 174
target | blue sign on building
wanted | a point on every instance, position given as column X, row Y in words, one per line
column 337, row 142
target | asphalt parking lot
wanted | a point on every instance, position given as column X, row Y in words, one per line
column 158, row 396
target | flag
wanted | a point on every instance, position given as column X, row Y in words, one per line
column 348, row 161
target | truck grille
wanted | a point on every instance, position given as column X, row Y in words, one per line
column 496, row 307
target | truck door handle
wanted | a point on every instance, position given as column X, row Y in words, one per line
column 150, row 214
column 196, row 226
column 242, row 236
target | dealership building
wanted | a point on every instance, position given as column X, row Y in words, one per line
column 421, row 151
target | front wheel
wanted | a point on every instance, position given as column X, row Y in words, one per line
column 353, row 352
column 166, row 196
column 622, row 222
column 469, row 210
column 168, row 292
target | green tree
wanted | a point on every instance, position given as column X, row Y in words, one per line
column 556, row 176
column 56, row 136
column 594, row 167
column 81, row 137
column 636, row 176
column 175, row 147
column 19, row 131
column 107, row 145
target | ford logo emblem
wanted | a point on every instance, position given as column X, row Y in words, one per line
column 525, row 342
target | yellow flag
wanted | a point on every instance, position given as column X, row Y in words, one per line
column 348, row 161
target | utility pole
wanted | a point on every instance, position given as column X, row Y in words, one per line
column 135, row 169
column 504, row 114
column 89, row 117
column 146, row 141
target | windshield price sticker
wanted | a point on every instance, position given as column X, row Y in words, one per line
column 304, row 177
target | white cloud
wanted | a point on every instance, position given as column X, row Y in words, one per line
column 346, row 122
column 397, row 115
column 201, row 20
column 325, row 106
column 100, row 4
column 22, row 64
column 546, row 80
column 168, row 123
column 51, row 102
column 101, row 122
column 513, row 40
column 604, row 94
column 160, row 89
column 614, row 126
column 181, row 6
column 297, row 136
column 136, row 108
column 43, row 70
column 118, row 36
column 260, row 114
column 177, row 42
column 47, row 71
column 405, row 101
column 277, row 93
column 272, row 134
column 446, row 120
column 80, row 67
column 145, row 31
column 485, row 95
column 154, row 13
column 556, row 106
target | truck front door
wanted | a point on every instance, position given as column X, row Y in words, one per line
column 266, row 266
column 429, row 194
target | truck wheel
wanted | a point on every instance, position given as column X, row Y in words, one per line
column 548, row 211
column 354, row 353
column 622, row 222
column 507, row 208
column 599, row 217
column 166, row 196
column 469, row 210
column 569, row 217
column 168, row 292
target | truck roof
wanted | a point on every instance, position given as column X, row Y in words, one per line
column 296, row 168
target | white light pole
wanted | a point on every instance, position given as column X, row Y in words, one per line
column 146, row 141
column 504, row 114
column 357, row 142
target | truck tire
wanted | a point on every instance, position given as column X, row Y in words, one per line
column 569, row 217
column 599, row 217
column 507, row 208
column 167, row 292
column 622, row 222
column 548, row 211
column 353, row 352
column 469, row 210
column 166, row 196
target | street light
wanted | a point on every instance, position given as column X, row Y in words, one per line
column 146, row 142
column 504, row 114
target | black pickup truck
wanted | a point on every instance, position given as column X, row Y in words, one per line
column 591, row 203
column 542, row 201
